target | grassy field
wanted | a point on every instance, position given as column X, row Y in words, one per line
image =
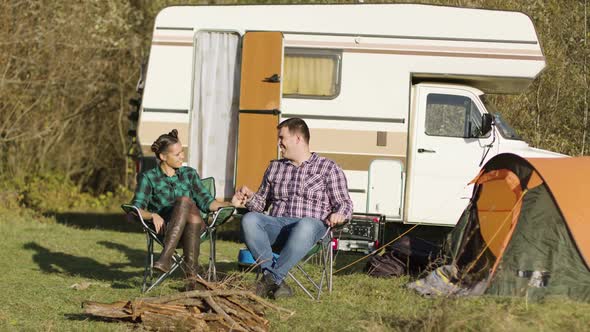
column 43, row 259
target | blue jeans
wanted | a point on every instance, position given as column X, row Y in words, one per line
column 297, row 235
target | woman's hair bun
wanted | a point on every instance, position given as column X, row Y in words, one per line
column 155, row 147
column 165, row 140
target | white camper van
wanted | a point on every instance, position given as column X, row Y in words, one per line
column 394, row 93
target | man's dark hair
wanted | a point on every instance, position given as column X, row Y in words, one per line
column 296, row 125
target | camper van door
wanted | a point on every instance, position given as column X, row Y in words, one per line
column 447, row 150
column 260, row 99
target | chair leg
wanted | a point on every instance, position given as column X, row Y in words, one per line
column 326, row 264
column 177, row 261
column 330, row 266
column 301, row 285
column 307, row 276
column 212, row 271
column 326, row 260
column 310, row 279
column 149, row 258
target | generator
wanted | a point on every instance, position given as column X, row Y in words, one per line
column 363, row 233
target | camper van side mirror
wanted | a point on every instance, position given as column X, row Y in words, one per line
column 486, row 123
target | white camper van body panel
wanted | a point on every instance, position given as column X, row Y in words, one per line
column 367, row 19
column 383, row 52
column 386, row 188
column 465, row 42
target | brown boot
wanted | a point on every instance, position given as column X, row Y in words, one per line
column 191, row 242
column 174, row 230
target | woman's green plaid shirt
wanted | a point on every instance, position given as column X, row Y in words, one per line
column 157, row 192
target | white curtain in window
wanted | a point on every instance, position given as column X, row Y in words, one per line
column 214, row 114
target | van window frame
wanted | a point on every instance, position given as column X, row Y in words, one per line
column 467, row 116
column 317, row 52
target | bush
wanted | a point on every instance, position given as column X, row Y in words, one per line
column 51, row 193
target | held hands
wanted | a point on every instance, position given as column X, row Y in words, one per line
column 242, row 196
column 158, row 222
column 335, row 219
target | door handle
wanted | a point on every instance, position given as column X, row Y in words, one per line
column 275, row 78
column 421, row 150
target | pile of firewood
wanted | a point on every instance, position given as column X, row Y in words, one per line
column 200, row 310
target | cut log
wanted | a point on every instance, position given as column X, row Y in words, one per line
column 118, row 309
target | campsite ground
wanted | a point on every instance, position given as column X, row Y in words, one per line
column 43, row 257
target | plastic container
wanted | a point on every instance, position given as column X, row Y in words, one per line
column 246, row 259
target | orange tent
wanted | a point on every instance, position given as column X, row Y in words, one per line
column 527, row 228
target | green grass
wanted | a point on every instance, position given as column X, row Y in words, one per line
column 41, row 260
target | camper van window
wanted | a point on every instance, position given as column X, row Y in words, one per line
column 311, row 73
column 503, row 127
column 452, row 116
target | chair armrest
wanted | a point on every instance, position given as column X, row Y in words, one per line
column 128, row 208
column 339, row 226
column 331, row 229
column 134, row 211
column 221, row 216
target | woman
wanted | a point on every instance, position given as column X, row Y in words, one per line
column 171, row 196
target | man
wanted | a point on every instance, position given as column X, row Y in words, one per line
column 306, row 193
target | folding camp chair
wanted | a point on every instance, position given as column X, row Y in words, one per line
column 212, row 221
column 323, row 250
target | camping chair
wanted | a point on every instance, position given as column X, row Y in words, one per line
column 212, row 221
column 324, row 250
